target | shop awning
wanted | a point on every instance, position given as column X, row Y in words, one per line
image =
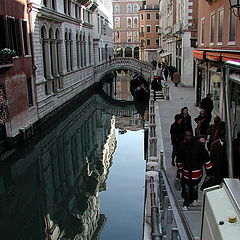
column 198, row 54
column 213, row 56
column 230, row 56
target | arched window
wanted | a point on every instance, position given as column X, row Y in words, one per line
column 84, row 51
column 89, row 50
column 46, row 60
column 44, row 37
column 129, row 8
column 135, row 8
column 117, row 8
column 81, row 50
column 135, row 23
column 77, row 49
column 128, row 52
column 70, row 51
column 66, row 51
column 59, row 59
column 51, row 48
column 129, row 22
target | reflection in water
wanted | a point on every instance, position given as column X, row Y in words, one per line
column 51, row 190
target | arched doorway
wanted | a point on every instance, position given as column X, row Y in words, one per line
column 119, row 52
column 136, row 52
column 128, row 52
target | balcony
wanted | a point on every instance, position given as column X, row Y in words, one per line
column 141, row 34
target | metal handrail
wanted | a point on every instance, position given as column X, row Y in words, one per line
column 156, row 234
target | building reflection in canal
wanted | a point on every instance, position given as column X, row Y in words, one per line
column 50, row 189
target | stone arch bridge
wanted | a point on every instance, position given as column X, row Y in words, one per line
column 143, row 68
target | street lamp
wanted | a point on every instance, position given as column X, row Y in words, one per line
column 235, row 5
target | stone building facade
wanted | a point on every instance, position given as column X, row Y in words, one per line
column 178, row 26
column 126, row 28
column 58, row 44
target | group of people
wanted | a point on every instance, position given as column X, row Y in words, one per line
column 202, row 148
column 162, row 71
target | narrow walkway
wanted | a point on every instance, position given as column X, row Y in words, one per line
column 179, row 97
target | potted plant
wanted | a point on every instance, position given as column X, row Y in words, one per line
column 6, row 55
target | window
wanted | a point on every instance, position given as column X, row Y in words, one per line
column 148, row 42
column 135, row 22
column 129, row 37
column 89, row 50
column 142, row 43
column 129, row 22
column 117, row 8
column 156, row 28
column 157, row 15
column 77, row 50
column 65, row 6
column 69, row 7
column 212, row 23
column 135, row 36
column 202, row 27
column 10, row 34
column 148, row 28
column 13, row 41
column 29, row 91
column 45, row 3
column 135, row 8
column 157, row 42
column 76, row 11
column 117, row 22
column 232, row 27
column 148, row 16
column 129, row 8
column 141, row 17
column 25, row 37
column 220, row 25
column 53, row 5
column 117, row 36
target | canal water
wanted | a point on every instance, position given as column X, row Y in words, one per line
column 83, row 179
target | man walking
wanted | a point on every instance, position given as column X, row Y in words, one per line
column 207, row 105
column 191, row 156
column 176, row 132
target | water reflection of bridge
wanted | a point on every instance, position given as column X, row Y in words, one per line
column 50, row 190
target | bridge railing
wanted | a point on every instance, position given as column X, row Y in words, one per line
column 116, row 63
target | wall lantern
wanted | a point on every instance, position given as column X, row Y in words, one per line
column 235, row 6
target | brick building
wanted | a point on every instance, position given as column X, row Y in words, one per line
column 218, row 41
column 149, row 28
column 16, row 74
column 126, row 27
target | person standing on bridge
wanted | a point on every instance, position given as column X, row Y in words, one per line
column 191, row 156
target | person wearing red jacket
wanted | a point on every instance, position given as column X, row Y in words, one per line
column 191, row 157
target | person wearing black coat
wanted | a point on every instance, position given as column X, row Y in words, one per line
column 207, row 105
column 186, row 122
column 236, row 156
column 202, row 123
column 218, row 156
column 176, row 132
column 191, row 157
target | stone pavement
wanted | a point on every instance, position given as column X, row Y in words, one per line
column 165, row 111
